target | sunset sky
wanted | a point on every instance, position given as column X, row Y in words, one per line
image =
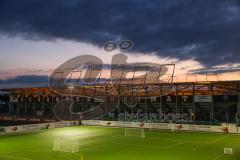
column 200, row 36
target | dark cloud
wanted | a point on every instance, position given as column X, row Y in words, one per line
column 216, row 70
column 25, row 81
column 205, row 30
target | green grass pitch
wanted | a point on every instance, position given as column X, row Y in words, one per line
column 102, row 143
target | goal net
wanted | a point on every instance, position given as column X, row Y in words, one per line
column 135, row 132
column 228, row 151
column 158, row 126
column 66, row 145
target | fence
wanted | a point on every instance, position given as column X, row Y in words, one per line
column 230, row 128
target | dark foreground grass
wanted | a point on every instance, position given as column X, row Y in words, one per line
column 98, row 143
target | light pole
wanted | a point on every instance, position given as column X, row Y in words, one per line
column 71, row 88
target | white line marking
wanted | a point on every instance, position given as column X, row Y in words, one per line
column 24, row 151
column 163, row 139
column 217, row 140
column 136, row 145
column 177, row 144
column 16, row 157
column 219, row 156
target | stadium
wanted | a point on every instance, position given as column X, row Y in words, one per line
column 119, row 80
column 134, row 117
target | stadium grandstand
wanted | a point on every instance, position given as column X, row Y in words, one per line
column 207, row 102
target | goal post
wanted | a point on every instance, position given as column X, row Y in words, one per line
column 62, row 144
column 152, row 126
column 134, row 132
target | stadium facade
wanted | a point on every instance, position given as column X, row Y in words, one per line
column 208, row 103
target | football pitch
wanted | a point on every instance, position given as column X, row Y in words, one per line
column 102, row 143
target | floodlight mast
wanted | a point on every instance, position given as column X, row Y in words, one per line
column 71, row 87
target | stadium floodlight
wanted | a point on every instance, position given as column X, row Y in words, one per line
column 71, row 87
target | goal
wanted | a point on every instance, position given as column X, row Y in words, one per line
column 66, row 145
column 135, row 132
column 158, row 126
column 228, row 151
